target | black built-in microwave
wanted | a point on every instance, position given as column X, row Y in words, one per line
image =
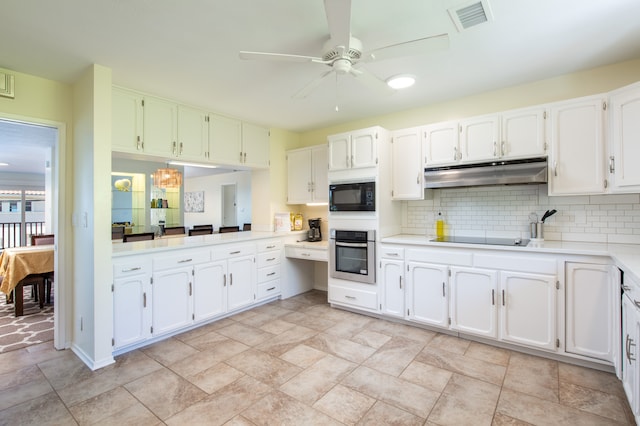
column 352, row 197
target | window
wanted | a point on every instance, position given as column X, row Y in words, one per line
column 27, row 206
column 13, row 206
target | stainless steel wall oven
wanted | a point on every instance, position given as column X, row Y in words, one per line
column 352, row 255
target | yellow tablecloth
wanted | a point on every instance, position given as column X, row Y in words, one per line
column 16, row 263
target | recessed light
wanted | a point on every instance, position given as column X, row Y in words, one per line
column 401, row 81
column 4, row 164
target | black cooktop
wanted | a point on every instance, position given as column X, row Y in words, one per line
column 515, row 242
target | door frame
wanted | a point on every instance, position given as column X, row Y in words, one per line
column 63, row 250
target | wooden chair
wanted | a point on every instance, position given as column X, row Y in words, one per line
column 41, row 240
column 174, row 230
column 225, row 229
column 246, row 227
column 203, row 231
column 203, row 227
column 117, row 232
column 143, row 236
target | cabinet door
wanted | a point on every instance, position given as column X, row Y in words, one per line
column 255, row 145
column 427, row 293
column 479, row 138
column 339, row 151
column 528, row 309
column 193, row 134
column 241, row 282
column 127, row 121
column 577, row 148
column 131, row 310
column 160, row 127
column 630, row 379
column 590, row 300
column 172, row 291
column 406, row 165
column 209, row 290
column 441, row 144
column 523, row 133
column 625, row 134
column 364, row 152
column 225, row 138
column 474, row 301
column 299, row 169
column 320, row 178
column 392, row 273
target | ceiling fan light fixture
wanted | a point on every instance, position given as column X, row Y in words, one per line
column 401, row 81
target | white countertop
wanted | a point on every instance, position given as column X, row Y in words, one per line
column 173, row 242
column 625, row 256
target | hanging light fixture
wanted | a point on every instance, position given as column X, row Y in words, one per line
column 167, row 178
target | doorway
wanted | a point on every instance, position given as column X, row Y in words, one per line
column 228, row 202
column 34, row 154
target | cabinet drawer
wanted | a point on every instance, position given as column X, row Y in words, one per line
column 309, row 254
column 131, row 267
column 268, row 258
column 349, row 296
column 180, row 258
column 267, row 289
column 269, row 245
column 446, row 257
column 391, row 252
column 268, row 273
column 226, row 252
column 527, row 263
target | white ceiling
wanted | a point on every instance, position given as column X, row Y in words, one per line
column 25, row 148
column 188, row 50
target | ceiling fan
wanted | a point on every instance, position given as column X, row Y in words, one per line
column 344, row 53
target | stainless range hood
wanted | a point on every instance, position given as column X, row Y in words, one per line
column 514, row 172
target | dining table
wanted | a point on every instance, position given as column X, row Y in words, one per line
column 18, row 263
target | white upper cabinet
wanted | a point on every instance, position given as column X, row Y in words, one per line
column 307, row 175
column 160, row 127
column 233, row 142
column 225, row 140
column 406, row 165
column 353, row 150
column 193, row 133
column 577, row 147
column 523, row 133
column 127, row 121
column 255, row 146
column 479, row 138
column 625, row 139
column 441, row 144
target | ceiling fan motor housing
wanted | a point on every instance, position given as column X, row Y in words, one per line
column 352, row 53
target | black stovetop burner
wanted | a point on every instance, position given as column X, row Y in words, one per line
column 515, row 242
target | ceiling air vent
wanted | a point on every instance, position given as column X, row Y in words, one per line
column 6, row 85
column 470, row 14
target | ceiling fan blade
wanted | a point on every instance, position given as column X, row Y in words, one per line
column 408, row 48
column 306, row 90
column 283, row 57
column 371, row 81
column 339, row 20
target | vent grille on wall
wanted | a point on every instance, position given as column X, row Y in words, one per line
column 6, row 85
column 470, row 14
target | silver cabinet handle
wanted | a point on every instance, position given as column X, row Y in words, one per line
column 612, row 164
column 135, row 268
column 629, row 353
column 185, row 260
column 245, row 157
column 174, row 147
column 305, row 254
column 401, row 282
column 626, row 287
column 271, row 288
column 271, row 274
column 235, row 252
column 350, row 297
column 241, row 156
column 502, row 297
column 418, row 179
column 493, row 297
column 224, row 281
column 144, row 299
column 138, row 143
column 495, row 148
column 455, row 153
column 181, row 146
column 443, row 295
column 270, row 247
column 637, row 303
column 555, row 168
column 502, row 150
column 230, row 278
column 391, row 254
column 190, row 289
column 271, row 259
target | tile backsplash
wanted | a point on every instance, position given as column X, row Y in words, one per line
column 504, row 211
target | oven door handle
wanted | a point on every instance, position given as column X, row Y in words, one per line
column 342, row 244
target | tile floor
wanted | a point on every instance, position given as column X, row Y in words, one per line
column 300, row 362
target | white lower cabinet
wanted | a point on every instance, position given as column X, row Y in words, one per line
column 131, row 301
column 630, row 368
column 241, row 280
column 392, row 275
column 209, row 290
column 428, row 293
column 592, row 320
column 528, row 309
column 172, row 303
column 473, row 301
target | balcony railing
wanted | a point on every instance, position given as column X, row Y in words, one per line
column 10, row 233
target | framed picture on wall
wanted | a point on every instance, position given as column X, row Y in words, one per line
column 194, row 202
